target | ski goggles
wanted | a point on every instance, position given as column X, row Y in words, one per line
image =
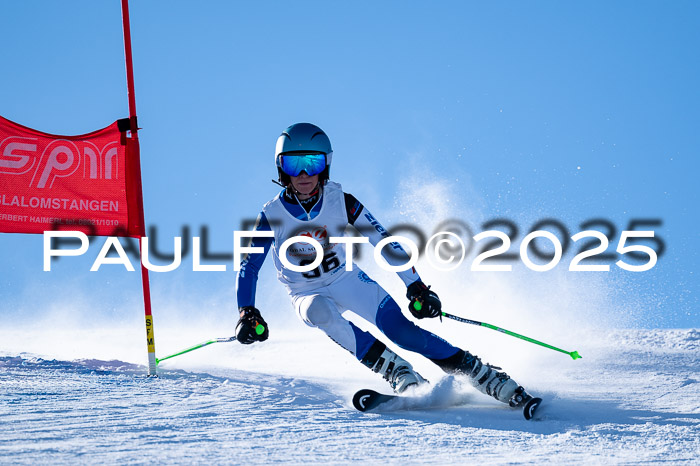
column 312, row 164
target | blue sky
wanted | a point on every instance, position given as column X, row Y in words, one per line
column 522, row 110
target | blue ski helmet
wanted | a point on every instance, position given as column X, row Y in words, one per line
column 299, row 139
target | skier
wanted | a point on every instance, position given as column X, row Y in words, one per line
column 312, row 205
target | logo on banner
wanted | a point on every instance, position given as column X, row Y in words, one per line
column 60, row 159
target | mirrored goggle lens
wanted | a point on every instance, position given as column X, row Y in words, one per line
column 312, row 164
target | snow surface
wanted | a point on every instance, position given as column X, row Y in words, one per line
column 633, row 398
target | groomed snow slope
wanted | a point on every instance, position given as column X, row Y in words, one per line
column 633, row 398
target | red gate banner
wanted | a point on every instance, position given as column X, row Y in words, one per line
column 88, row 183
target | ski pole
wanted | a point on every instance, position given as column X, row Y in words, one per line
column 259, row 329
column 201, row 345
column 574, row 354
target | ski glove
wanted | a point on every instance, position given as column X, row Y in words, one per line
column 251, row 326
column 424, row 303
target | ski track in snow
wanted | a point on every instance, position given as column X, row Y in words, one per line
column 634, row 399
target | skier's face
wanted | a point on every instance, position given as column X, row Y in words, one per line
column 304, row 184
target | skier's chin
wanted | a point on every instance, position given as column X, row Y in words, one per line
column 305, row 188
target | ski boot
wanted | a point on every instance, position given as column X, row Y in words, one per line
column 486, row 378
column 395, row 370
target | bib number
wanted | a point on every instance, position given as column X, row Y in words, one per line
column 330, row 262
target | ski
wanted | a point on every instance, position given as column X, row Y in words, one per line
column 530, row 407
column 366, row 399
column 529, row 403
